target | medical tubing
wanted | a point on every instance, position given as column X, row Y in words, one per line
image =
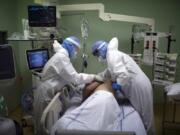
column 84, row 57
column 118, row 93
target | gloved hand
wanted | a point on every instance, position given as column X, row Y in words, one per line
column 98, row 78
column 56, row 45
column 116, row 86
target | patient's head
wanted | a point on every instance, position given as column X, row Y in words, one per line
column 96, row 86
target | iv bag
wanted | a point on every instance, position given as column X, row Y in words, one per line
column 84, row 28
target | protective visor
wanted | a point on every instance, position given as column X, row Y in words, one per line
column 74, row 42
column 96, row 51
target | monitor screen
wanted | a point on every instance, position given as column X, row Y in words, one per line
column 7, row 68
column 42, row 16
column 37, row 58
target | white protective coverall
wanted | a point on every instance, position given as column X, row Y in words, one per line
column 135, row 84
column 57, row 72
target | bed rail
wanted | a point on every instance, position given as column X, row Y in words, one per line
column 78, row 132
column 50, row 115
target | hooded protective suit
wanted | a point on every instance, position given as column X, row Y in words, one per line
column 57, row 72
column 134, row 83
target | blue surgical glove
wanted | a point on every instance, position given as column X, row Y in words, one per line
column 116, row 86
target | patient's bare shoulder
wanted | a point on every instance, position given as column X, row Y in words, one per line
column 89, row 89
column 96, row 86
column 106, row 86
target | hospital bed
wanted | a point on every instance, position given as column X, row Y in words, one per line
column 53, row 112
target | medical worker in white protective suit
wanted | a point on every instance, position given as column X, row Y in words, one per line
column 128, row 78
column 58, row 72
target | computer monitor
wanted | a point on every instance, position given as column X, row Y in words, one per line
column 7, row 67
column 42, row 16
column 37, row 58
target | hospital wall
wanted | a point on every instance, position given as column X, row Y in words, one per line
column 10, row 88
column 164, row 12
column 11, row 13
column 25, row 74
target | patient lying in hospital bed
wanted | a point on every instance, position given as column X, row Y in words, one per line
column 100, row 111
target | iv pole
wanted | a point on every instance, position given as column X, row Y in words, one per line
column 84, row 32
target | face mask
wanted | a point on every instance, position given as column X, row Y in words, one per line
column 75, row 55
column 100, row 59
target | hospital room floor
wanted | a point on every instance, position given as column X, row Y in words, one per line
column 17, row 115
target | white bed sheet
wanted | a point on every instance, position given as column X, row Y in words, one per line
column 100, row 112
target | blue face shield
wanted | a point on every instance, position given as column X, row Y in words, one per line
column 99, row 49
column 71, row 44
column 103, row 51
column 70, row 48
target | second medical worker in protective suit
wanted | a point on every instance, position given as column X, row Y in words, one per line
column 58, row 72
column 128, row 78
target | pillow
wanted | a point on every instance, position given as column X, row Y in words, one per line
column 173, row 91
